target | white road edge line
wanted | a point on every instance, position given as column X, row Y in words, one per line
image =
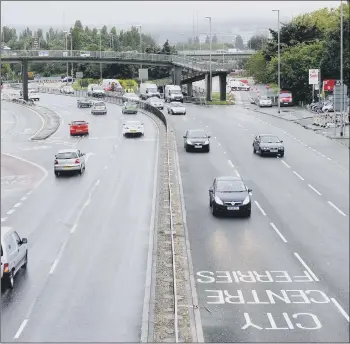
column 73, row 228
column 17, row 205
column 340, row 308
column 21, row 328
column 336, row 208
column 298, row 175
column 261, row 209
column 23, row 198
column 3, row 219
column 150, row 261
column 10, row 211
column 284, row 163
column 278, row 232
column 230, row 163
column 53, row 267
column 306, row 267
column 98, row 182
column 311, row 187
column 237, row 174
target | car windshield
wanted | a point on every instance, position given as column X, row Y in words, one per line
column 133, row 95
column 176, row 105
column 133, row 123
column 285, row 95
column 131, row 105
column 100, row 104
column 78, row 122
column 264, row 98
column 67, row 155
column 155, row 100
column 270, row 139
column 152, row 89
column 197, row 134
column 98, row 88
column 175, row 92
column 230, row 186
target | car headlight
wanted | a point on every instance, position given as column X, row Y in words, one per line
column 189, row 142
column 206, row 142
column 218, row 200
column 246, row 200
column 281, row 148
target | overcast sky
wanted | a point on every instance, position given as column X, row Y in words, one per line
column 123, row 13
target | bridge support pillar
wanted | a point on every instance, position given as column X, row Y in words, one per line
column 177, row 73
column 190, row 90
column 208, row 83
column 222, row 85
column 25, row 79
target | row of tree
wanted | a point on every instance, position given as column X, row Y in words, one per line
column 86, row 39
column 309, row 41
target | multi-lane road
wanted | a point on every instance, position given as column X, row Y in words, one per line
column 283, row 274
column 88, row 235
column 279, row 276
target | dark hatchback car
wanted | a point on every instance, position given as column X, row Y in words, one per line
column 196, row 140
column 267, row 144
column 230, row 196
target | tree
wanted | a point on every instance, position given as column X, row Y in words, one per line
column 239, row 44
column 207, row 40
column 214, row 39
column 256, row 42
column 256, row 67
column 196, row 40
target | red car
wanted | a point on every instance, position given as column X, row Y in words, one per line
column 79, row 128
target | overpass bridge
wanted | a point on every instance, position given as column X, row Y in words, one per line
column 185, row 69
column 216, row 54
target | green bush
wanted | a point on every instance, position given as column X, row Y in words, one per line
column 128, row 83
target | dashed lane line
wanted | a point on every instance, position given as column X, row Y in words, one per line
column 278, row 232
column 261, row 209
column 298, row 175
column 3, row 219
column 11, row 211
column 21, row 328
column 336, row 208
column 340, row 308
column 306, row 267
column 237, row 174
column 284, row 163
column 312, row 188
column 230, row 163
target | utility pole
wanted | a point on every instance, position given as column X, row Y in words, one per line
column 66, row 47
column 210, row 71
column 279, row 61
column 341, row 71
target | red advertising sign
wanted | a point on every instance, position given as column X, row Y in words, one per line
column 328, row 85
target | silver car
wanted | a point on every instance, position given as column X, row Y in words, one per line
column 176, row 108
column 156, row 102
column 69, row 160
column 99, row 108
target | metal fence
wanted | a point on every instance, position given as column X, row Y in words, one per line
column 177, row 60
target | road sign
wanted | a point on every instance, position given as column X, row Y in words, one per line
column 313, row 76
column 43, row 53
column 79, row 75
column 65, row 53
column 143, row 74
column 337, row 96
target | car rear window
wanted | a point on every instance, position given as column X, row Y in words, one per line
column 67, row 155
column 133, row 123
column 78, row 123
column 196, row 133
column 100, row 104
column 230, row 186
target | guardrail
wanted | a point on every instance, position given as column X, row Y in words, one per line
column 183, row 61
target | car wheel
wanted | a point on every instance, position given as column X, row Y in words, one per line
column 187, row 149
column 57, row 174
column 254, row 151
column 213, row 210
column 249, row 213
column 210, row 203
column 24, row 266
column 261, row 152
column 208, row 150
column 81, row 170
column 281, row 155
column 10, row 280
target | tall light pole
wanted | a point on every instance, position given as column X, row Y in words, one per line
column 71, row 51
column 279, row 61
column 341, row 72
column 140, row 33
column 66, row 47
column 99, row 30
column 210, row 71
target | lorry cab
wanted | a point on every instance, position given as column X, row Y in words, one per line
column 173, row 93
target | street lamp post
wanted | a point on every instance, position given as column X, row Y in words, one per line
column 140, row 33
column 279, row 61
column 66, row 47
column 71, row 51
column 100, row 53
column 210, row 71
column 341, row 71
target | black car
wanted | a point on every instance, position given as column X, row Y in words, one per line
column 196, row 140
column 268, row 144
column 230, row 196
column 86, row 102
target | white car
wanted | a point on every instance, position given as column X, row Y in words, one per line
column 69, row 160
column 265, row 101
column 131, row 97
column 156, row 102
column 99, row 108
column 14, row 255
column 133, row 128
column 68, row 90
column 328, row 107
column 176, row 108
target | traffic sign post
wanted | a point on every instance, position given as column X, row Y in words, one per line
column 313, row 76
column 340, row 97
column 79, row 75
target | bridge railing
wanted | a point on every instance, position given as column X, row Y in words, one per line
column 184, row 61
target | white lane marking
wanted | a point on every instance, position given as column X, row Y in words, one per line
column 3, row 219
column 240, row 125
column 245, row 129
column 329, row 158
column 23, row 198
column 298, row 175
column 340, row 308
column 261, row 209
column 29, row 193
column 230, row 163
column 311, row 187
column 323, row 156
column 278, row 232
column 306, row 267
column 319, row 153
column 53, row 267
column 224, row 152
column 73, row 228
column 106, row 167
column 314, row 149
column 87, row 156
column 336, row 208
column 98, row 182
column 219, row 144
column 17, row 205
column 284, row 163
column 237, row 174
column 10, row 211
column 21, row 328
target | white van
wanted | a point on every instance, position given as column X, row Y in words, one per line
column 68, row 80
column 14, row 255
column 96, row 91
column 148, row 90
column 173, row 93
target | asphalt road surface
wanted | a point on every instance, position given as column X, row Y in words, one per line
column 283, row 274
column 88, row 235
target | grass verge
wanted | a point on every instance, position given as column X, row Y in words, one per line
column 216, row 100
